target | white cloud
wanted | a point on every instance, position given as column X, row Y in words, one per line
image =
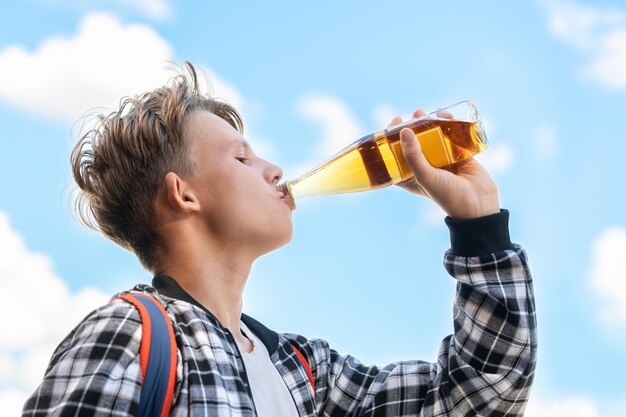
column 157, row 9
column 607, row 276
column 569, row 407
column 11, row 402
column 154, row 9
column 434, row 215
column 498, row 158
column 65, row 77
column 338, row 124
column 581, row 25
column 222, row 89
column 262, row 147
column 103, row 62
column 545, row 141
column 50, row 312
column 8, row 367
column 382, row 115
column 609, row 67
column 599, row 34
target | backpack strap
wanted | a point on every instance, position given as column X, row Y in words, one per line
column 157, row 356
column 306, row 365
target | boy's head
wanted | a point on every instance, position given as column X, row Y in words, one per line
column 170, row 157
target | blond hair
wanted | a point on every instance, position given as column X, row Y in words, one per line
column 120, row 163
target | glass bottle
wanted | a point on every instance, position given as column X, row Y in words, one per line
column 446, row 136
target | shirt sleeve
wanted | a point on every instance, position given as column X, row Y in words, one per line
column 485, row 368
column 95, row 371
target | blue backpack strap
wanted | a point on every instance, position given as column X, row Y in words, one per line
column 157, row 356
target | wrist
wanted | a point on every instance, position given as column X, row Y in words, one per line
column 476, row 209
column 473, row 213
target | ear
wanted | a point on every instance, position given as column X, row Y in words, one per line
column 180, row 195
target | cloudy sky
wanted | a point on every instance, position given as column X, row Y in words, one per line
column 548, row 76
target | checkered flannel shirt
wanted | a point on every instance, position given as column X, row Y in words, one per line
column 485, row 368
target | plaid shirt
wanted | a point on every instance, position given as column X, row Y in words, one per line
column 485, row 368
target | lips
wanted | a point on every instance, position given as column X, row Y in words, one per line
column 289, row 202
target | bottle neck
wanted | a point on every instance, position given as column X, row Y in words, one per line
column 286, row 189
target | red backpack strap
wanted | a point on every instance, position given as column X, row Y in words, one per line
column 157, row 356
column 306, row 366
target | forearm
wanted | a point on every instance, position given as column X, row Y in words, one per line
column 494, row 313
column 485, row 367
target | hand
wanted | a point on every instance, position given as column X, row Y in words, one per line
column 464, row 190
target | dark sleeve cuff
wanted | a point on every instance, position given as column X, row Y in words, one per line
column 480, row 236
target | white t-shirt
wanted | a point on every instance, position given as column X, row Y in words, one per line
column 270, row 394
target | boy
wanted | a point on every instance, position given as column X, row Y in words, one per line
column 171, row 178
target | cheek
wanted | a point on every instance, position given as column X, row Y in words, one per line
column 265, row 214
column 226, row 205
column 244, row 205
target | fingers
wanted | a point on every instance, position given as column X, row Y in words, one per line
column 425, row 174
column 444, row 114
column 395, row 121
column 412, row 186
column 419, row 112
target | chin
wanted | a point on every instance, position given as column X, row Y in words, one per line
column 281, row 240
column 287, row 238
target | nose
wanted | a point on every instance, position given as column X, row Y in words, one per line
column 273, row 173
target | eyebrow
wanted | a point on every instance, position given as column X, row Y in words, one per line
column 237, row 143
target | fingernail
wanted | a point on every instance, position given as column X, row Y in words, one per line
column 405, row 135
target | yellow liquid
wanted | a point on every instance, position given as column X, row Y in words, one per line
column 376, row 161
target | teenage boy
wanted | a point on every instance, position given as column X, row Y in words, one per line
column 171, row 178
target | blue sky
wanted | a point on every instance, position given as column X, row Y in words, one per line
column 364, row 271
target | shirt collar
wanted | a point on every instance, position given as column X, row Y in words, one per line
column 166, row 285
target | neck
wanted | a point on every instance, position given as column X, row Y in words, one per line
column 213, row 274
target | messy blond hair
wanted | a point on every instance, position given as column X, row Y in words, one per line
column 120, row 163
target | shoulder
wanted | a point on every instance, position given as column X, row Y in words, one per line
column 115, row 326
column 317, row 350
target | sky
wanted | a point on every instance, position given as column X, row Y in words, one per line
column 364, row 271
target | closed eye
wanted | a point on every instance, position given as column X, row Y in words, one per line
column 242, row 159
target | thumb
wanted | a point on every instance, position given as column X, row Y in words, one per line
column 424, row 172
